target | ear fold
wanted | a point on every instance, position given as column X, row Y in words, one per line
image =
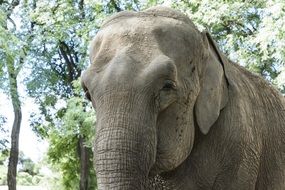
column 213, row 93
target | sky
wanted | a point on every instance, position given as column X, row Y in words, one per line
column 29, row 143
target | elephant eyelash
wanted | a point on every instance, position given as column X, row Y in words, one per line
column 169, row 85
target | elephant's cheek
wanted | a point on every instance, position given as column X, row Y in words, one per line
column 175, row 138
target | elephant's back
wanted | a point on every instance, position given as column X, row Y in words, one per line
column 260, row 105
column 262, row 109
column 258, row 92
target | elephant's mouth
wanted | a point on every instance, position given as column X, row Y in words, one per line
column 86, row 92
column 157, row 182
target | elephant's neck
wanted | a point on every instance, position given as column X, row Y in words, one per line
column 196, row 170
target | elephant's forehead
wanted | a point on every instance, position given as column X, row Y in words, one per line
column 134, row 24
column 145, row 36
column 135, row 29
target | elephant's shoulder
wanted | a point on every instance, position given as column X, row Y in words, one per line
column 251, row 85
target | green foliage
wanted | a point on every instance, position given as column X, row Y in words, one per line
column 26, row 179
column 3, row 134
column 3, row 175
column 11, row 51
column 249, row 32
column 78, row 120
column 12, row 56
column 61, row 36
column 4, row 156
column 53, row 40
column 27, row 165
column 28, row 173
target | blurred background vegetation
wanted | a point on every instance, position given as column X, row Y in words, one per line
column 44, row 49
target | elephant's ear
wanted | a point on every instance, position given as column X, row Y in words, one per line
column 213, row 93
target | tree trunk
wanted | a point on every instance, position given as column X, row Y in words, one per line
column 14, row 151
column 84, row 164
column 13, row 90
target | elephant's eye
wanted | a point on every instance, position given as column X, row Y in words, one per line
column 169, row 85
column 168, row 94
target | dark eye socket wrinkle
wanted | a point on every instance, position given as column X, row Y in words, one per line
column 169, row 85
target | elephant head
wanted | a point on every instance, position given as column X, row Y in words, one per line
column 155, row 81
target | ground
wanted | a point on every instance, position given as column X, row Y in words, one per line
column 25, row 188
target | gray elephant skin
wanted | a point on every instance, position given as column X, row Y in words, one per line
column 174, row 113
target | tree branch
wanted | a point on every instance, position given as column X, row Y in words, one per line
column 81, row 8
column 65, row 52
column 21, row 61
column 115, row 5
column 54, row 69
column 12, row 6
column 73, row 59
column 2, row 2
column 12, row 21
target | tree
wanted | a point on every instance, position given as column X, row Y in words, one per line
column 64, row 34
column 53, row 40
column 65, row 150
column 27, row 165
column 4, row 156
column 3, row 134
column 62, row 56
column 247, row 31
column 58, row 64
column 12, row 64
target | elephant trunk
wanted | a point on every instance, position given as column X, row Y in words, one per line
column 125, row 147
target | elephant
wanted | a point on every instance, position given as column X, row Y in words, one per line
column 173, row 112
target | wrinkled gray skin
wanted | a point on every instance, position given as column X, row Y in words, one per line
column 170, row 105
